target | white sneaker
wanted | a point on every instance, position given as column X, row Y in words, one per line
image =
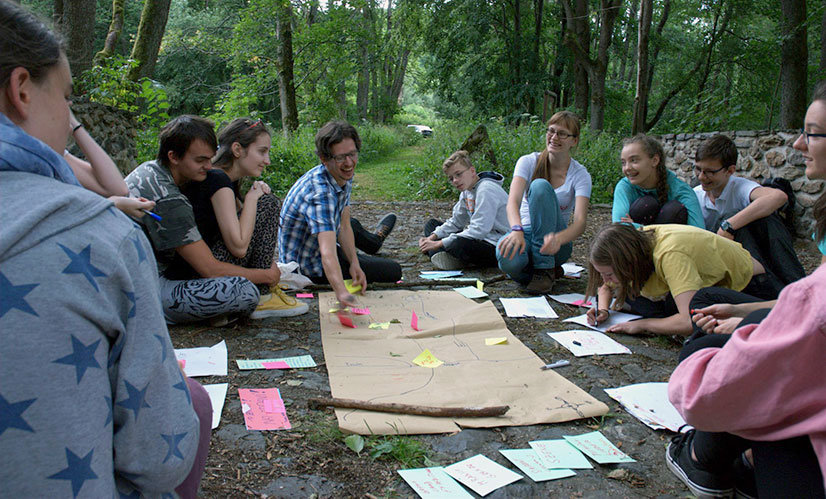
column 279, row 305
column 445, row 261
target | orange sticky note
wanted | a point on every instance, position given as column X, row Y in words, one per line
column 346, row 321
column 414, row 322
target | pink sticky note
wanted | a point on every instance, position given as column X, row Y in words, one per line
column 280, row 364
column 263, row 409
column 360, row 311
column 399, row 281
column 414, row 322
column 346, row 321
column 304, row 295
column 183, row 363
column 582, row 303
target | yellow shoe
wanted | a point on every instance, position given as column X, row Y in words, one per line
column 279, row 305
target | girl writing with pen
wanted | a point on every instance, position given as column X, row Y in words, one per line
column 655, row 272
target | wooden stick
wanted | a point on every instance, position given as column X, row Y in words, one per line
column 418, row 410
column 428, row 283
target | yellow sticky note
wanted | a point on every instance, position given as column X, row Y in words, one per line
column 350, row 288
column 495, row 341
column 426, row 359
column 333, row 310
column 480, row 285
column 379, row 325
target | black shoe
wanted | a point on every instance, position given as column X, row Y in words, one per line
column 745, row 483
column 703, row 484
column 385, row 226
column 542, row 282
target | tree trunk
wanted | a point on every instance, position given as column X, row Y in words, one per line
column 641, row 95
column 516, row 60
column 630, row 31
column 537, row 35
column 363, row 90
column 57, row 16
column 598, row 67
column 578, row 39
column 286, row 80
column 115, row 28
column 78, row 21
column 822, row 46
column 793, row 63
column 658, row 43
column 148, row 40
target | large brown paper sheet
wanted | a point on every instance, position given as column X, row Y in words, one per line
column 377, row 365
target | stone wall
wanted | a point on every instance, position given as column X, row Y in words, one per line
column 114, row 129
column 762, row 154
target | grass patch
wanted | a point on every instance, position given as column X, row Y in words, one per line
column 387, row 178
column 408, row 451
column 321, row 427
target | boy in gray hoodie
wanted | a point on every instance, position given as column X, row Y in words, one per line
column 479, row 218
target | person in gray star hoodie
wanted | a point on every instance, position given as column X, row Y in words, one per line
column 479, row 218
column 92, row 400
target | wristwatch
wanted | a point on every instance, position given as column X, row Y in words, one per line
column 517, row 228
column 726, row 226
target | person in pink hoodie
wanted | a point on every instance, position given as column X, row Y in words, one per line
column 759, row 401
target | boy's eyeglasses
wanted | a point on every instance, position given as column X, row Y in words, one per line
column 806, row 135
column 707, row 173
column 451, row 178
column 341, row 158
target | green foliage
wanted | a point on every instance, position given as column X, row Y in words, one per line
column 291, row 157
column 598, row 152
column 408, row 451
column 107, row 84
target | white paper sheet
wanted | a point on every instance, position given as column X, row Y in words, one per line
column 572, row 270
column 583, row 343
column 529, row 463
column 481, row 474
column 217, row 395
column 528, row 307
column 649, row 403
column 470, row 292
column 433, row 483
column 614, row 318
column 572, row 299
column 204, row 361
column 559, row 454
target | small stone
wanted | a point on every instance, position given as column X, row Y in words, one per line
column 775, row 158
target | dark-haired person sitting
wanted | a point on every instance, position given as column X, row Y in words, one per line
column 315, row 219
column 92, row 401
column 243, row 233
column 187, row 145
column 742, row 210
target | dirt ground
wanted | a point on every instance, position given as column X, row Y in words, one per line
column 311, row 459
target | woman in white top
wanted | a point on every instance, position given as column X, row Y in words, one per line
column 546, row 188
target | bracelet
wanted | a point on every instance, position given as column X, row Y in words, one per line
column 74, row 129
column 603, row 309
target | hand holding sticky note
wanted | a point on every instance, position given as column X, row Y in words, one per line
column 352, row 288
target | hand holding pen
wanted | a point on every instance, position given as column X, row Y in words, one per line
column 596, row 315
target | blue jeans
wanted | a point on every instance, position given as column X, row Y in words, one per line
column 546, row 217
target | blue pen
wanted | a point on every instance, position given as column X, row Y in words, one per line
column 153, row 215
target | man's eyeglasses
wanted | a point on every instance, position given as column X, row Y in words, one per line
column 559, row 133
column 451, row 178
column 806, row 135
column 707, row 173
column 341, row 158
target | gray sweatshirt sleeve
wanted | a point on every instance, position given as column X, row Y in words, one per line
column 457, row 221
column 481, row 223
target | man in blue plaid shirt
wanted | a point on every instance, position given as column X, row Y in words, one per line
column 315, row 219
